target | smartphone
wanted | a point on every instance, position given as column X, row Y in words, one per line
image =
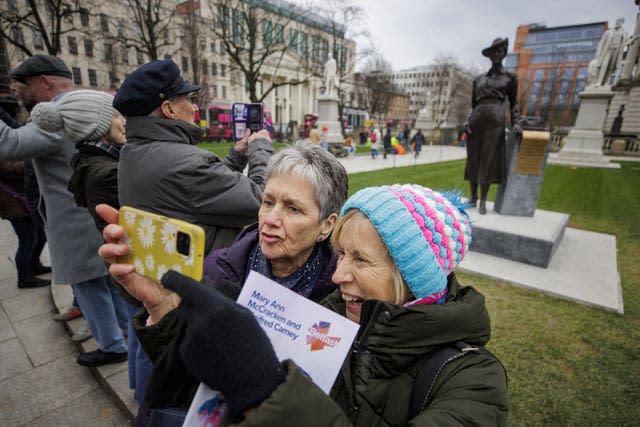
column 158, row 244
column 246, row 116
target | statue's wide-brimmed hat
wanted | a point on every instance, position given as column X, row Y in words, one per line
column 497, row 43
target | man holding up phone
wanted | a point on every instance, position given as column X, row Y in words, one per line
column 162, row 171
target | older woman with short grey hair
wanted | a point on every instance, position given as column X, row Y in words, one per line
column 305, row 188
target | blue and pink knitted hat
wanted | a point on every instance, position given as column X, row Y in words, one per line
column 427, row 233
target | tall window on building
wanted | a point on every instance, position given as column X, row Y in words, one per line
column 214, row 69
column 215, row 91
column 38, row 43
column 139, row 57
column 581, row 81
column 213, row 47
column 535, row 92
column 278, row 33
column 77, row 75
column 108, row 52
column 238, row 28
column 320, row 50
column 93, row 78
column 293, row 40
column 550, row 86
column 224, row 92
column 13, row 6
column 205, row 67
column 124, row 55
column 222, row 16
column 104, row 23
column 84, row 17
column 121, row 28
column 303, row 48
column 223, row 70
column 16, row 33
column 73, row 45
column 88, row 47
column 563, row 90
column 267, row 32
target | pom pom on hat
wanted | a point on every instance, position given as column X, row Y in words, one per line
column 45, row 116
column 83, row 115
column 427, row 233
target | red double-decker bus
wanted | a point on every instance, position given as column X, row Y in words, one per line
column 218, row 118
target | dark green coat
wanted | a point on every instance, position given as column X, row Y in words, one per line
column 376, row 381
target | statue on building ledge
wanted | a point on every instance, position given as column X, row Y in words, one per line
column 608, row 55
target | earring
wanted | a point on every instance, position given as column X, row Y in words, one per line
column 320, row 239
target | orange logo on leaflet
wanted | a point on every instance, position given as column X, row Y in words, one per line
column 318, row 336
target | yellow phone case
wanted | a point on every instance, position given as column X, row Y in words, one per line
column 153, row 242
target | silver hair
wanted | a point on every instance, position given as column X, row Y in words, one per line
column 317, row 166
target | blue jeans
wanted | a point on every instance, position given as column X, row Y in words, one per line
column 105, row 311
column 139, row 364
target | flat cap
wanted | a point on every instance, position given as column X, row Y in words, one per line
column 39, row 65
column 148, row 86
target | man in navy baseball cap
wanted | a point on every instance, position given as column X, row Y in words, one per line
column 161, row 169
column 149, row 86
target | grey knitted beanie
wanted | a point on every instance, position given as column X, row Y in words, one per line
column 83, row 115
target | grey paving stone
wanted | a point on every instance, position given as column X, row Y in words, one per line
column 28, row 303
column 9, row 288
column 43, row 338
column 14, row 359
column 93, row 409
column 119, row 384
column 6, row 330
column 26, row 397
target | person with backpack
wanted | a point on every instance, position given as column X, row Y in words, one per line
column 421, row 335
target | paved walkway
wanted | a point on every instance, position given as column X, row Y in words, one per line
column 41, row 384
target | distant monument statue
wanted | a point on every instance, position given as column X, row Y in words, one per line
column 331, row 83
column 609, row 53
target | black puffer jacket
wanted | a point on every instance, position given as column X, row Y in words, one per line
column 375, row 384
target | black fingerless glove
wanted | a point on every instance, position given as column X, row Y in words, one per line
column 223, row 345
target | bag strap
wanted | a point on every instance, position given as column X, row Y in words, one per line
column 421, row 395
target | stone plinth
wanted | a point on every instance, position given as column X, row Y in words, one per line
column 584, row 142
column 328, row 118
column 526, row 162
column 530, row 240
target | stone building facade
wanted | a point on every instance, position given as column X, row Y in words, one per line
column 96, row 46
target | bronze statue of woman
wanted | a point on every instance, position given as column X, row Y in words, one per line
column 486, row 162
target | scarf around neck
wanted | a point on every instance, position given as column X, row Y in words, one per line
column 302, row 281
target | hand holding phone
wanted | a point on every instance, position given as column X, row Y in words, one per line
column 159, row 244
column 246, row 116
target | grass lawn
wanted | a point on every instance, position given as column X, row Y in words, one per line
column 568, row 364
column 221, row 149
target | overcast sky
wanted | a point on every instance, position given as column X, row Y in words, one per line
column 414, row 32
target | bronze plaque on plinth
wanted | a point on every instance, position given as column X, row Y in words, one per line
column 531, row 154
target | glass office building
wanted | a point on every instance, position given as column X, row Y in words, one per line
column 551, row 65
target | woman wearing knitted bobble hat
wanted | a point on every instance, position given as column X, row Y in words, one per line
column 418, row 358
column 89, row 121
